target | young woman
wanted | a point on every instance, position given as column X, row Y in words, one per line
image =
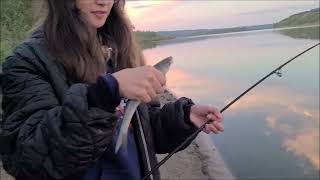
column 61, row 96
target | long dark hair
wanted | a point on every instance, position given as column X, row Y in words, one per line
column 80, row 50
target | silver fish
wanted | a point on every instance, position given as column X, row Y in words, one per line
column 163, row 66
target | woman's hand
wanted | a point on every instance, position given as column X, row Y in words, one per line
column 141, row 83
column 199, row 114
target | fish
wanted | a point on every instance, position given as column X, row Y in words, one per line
column 163, row 66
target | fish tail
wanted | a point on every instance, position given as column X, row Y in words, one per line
column 125, row 144
column 123, row 135
column 122, row 140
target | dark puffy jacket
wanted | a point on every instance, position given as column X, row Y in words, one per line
column 49, row 131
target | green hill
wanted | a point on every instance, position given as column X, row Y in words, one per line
column 311, row 17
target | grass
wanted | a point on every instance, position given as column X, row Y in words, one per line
column 306, row 18
column 16, row 21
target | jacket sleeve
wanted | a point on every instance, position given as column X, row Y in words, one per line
column 43, row 137
column 171, row 124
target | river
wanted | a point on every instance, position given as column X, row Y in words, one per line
column 273, row 131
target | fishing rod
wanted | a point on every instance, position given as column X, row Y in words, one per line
column 192, row 136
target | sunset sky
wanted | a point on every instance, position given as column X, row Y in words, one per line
column 190, row 14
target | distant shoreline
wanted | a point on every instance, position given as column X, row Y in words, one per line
column 153, row 44
column 169, row 38
column 240, row 32
column 303, row 19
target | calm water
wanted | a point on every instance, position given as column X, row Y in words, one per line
column 273, row 131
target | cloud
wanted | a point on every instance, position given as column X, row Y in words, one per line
column 302, row 141
column 183, row 83
column 141, row 6
column 277, row 10
column 271, row 121
column 305, row 144
column 308, row 114
column 300, row 138
column 270, row 96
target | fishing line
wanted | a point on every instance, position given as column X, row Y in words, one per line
column 192, row 136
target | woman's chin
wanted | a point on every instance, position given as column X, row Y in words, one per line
column 98, row 23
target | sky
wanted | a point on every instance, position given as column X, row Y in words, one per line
column 158, row 15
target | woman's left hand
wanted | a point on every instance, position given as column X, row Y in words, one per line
column 199, row 114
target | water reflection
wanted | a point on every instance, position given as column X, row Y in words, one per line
column 302, row 33
column 299, row 135
column 287, row 113
column 148, row 44
column 273, row 131
column 299, row 140
column 183, row 83
column 292, row 124
column 303, row 144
